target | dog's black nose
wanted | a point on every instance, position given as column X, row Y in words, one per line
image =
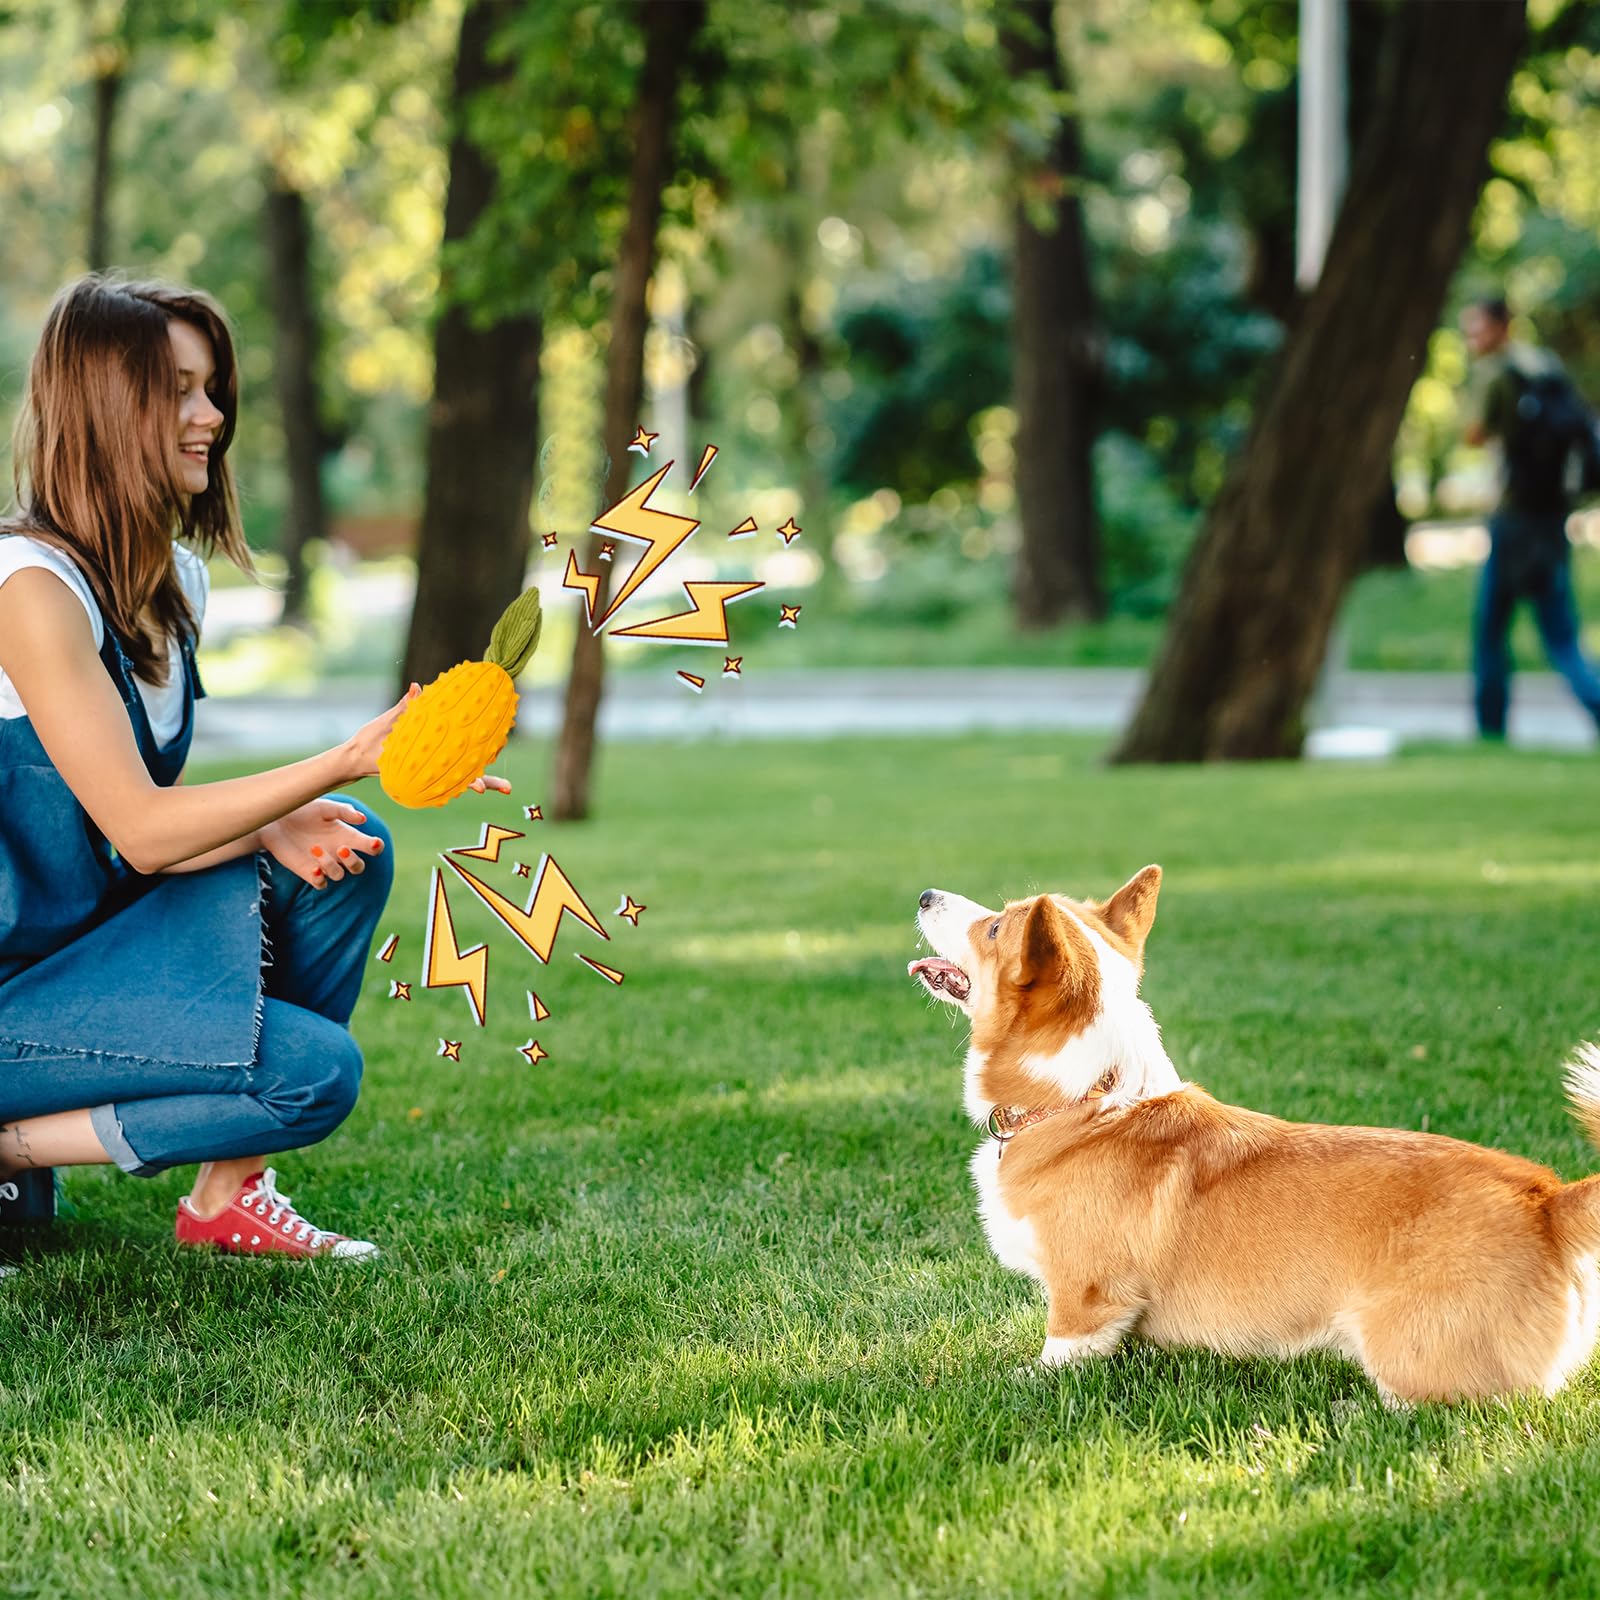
column 926, row 898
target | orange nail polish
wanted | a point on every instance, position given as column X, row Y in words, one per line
column 316, row 849
column 344, row 850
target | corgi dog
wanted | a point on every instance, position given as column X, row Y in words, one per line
column 1143, row 1206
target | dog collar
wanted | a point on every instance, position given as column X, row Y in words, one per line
column 1006, row 1122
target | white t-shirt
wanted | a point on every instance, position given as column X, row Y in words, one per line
column 164, row 705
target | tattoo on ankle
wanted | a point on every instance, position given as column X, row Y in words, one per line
column 18, row 1141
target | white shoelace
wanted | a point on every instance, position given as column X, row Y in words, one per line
column 267, row 1195
column 9, row 1191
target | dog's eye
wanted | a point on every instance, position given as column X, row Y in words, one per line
column 994, row 927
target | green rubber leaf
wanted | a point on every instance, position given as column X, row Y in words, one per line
column 516, row 634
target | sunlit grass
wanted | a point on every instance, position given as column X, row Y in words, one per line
column 702, row 1305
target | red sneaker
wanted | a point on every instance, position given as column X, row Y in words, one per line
column 259, row 1221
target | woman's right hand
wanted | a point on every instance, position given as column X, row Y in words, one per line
column 363, row 746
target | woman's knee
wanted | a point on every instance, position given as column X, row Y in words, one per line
column 308, row 1068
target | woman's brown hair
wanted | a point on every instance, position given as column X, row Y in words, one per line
column 94, row 454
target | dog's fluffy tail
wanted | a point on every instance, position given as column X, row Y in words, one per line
column 1576, row 1208
column 1583, row 1090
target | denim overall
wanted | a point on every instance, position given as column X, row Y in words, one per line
column 198, row 1016
column 98, row 958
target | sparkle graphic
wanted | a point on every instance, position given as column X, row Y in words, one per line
column 450, row 1048
column 537, row 1009
column 444, row 964
column 520, row 870
column 534, row 1052
column 533, row 813
column 607, row 550
column 694, row 682
column 536, row 923
column 586, row 583
column 550, row 541
column 642, row 441
column 610, row 974
column 707, row 456
column 635, row 519
column 730, row 666
column 789, row 532
column 630, row 908
column 706, row 621
column 387, row 953
column 745, row 529
column 398, row 990
column 488, row 847
column 789, row 617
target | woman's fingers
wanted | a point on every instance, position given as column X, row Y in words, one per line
column 489, row 781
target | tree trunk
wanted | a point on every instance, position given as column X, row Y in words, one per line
column 482, row 424
column 1289, row 529
column 1056, row 361
column 107, row 92
column 295, row 369
column 669, row 31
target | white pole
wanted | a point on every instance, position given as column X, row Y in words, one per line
column 1323, row 145
column 1323, row 163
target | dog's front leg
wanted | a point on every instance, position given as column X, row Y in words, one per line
column 1083, row 1325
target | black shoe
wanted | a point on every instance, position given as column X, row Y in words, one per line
column 28, row 1197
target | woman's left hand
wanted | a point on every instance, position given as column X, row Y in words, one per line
column 489, row 781
column 319, row 842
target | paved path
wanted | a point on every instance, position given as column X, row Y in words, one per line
column 1357, row 714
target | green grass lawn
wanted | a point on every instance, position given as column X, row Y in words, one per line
column 701, row 1305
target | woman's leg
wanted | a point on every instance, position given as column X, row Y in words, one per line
column 71, row 1109
column 148, row 1116
column 320, row 938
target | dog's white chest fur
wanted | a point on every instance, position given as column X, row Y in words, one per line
column 1010, row 1237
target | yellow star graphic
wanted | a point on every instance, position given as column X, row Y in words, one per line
column 533, row 1051
column 550, row 541
column 790, row 616
column 533, row 813
column 642, row 440
column 450, row 1049
column 630, row 909
column 730, row 665
column 398, row 990
column 607, row 550
column 521, row 869
column 789, row 532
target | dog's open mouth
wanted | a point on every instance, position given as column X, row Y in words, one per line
column 943, row 978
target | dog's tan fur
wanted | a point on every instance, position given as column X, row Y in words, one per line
column 1445, row 1269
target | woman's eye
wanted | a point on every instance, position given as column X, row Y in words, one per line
column 994, row 928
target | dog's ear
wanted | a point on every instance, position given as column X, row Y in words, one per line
column 1043, row 953
column 1131, row 910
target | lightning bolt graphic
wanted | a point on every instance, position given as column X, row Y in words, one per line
column 535, row 924
column 705, row 623
column 586, row 583
column 488, row 847
column 445, row 964
column 707, row 456
column 660, row 532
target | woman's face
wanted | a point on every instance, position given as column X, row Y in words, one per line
column 199, row 421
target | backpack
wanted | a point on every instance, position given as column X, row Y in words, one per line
column 1552, row 450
